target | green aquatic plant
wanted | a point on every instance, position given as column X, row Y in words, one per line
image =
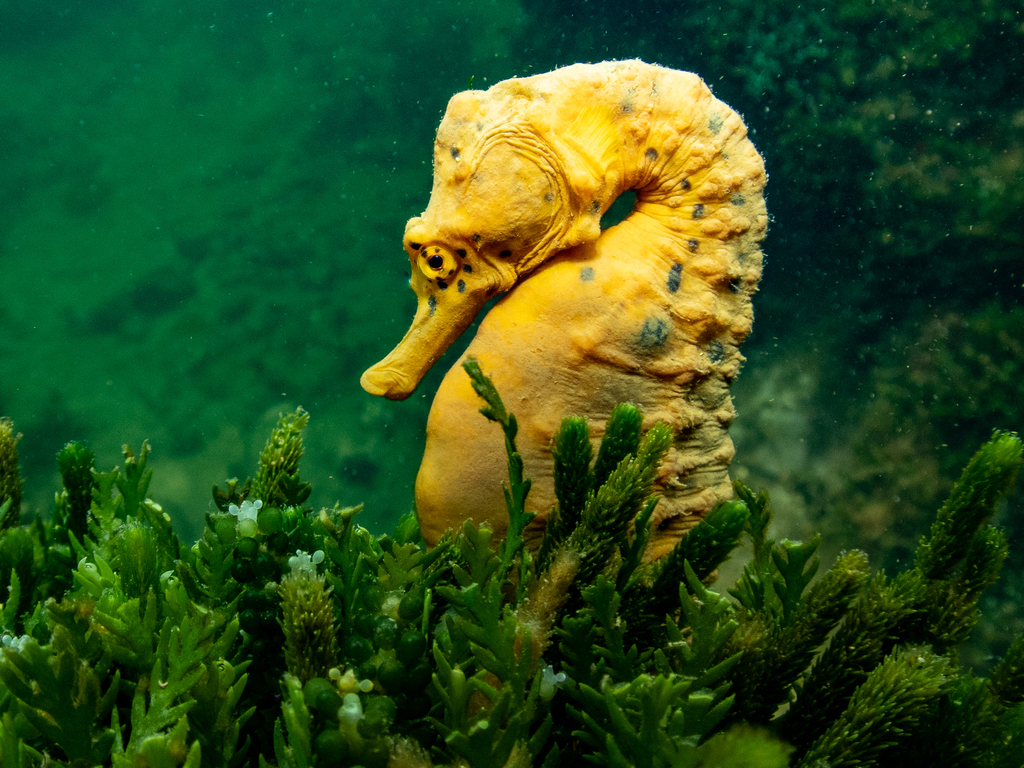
column 10, row 479
column 293, row 637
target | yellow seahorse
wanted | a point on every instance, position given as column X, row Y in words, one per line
column 650, row 311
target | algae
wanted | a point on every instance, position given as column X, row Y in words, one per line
column 292, row 636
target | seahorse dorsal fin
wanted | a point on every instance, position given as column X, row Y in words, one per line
column 594, row 138
column 588, row 149
column 594, row 130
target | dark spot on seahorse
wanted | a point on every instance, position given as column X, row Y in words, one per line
column 505, row 254
column 461, row 286
column 737, row 199
column 587, row 274
column 674, row 276
column 479, row 126
column 595, row 207
column 450, row 273
column 461, row 252
column 734, row 285
column 476, row 238
column 467, row 268
column 651, row 154
column 432, row 304
column 685, row 185
column 626, row 107
column 715, row 124
column 442, row 285
column 698, row 210
column 415, row 246
column 549, row 197
column 715, row 352
column 654, row 333
column 455, row 153
column 692, row 244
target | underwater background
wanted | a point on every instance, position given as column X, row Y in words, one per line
column 202, row 207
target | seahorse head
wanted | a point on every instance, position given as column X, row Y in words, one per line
column 504, row 200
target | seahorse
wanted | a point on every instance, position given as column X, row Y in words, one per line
column 650, row 311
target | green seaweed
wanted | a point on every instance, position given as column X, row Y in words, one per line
column 10, row 478
column 293, row 637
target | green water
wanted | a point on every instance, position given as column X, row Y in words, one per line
column 200, row 221
column 202, row 205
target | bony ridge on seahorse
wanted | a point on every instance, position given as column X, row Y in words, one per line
column 650, row 311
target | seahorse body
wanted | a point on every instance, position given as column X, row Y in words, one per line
column 650, row 311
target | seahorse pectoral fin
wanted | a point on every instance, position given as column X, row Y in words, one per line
column 441, row 317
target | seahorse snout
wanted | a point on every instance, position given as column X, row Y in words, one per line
column 383, row 382
column 397, row 375
column 442, row 315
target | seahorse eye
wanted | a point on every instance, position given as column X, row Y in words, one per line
column 438, row 263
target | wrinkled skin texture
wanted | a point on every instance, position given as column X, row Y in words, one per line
column 651, row 311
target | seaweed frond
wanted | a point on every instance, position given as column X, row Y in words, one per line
column 10, row 478
column 296, row 638
column 277, row 482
